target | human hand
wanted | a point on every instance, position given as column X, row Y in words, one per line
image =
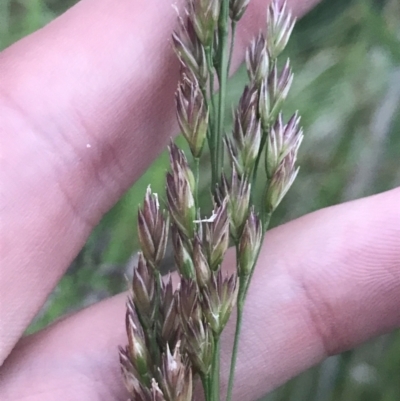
column 86, row 104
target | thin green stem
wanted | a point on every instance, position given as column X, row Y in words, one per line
column 206, row 382
column 244, row 283
column 263, row 138
column 154, row 332
column 213, row 112
column 223, row 31
column 265, row 223
column 215, row 387
column 257, row 162
column 209, row 56
column 196, row 179
column 208, row 103
column 233, row 32
column 238, row 329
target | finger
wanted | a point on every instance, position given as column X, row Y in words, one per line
column 86, row 103
column 324, row 283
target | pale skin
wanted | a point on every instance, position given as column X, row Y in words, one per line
column 85, row 104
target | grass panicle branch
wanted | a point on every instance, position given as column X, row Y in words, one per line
column 174, row 332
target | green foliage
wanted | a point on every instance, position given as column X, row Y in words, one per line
column 345, row 55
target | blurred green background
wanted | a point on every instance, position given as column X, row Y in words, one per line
column 346, row 58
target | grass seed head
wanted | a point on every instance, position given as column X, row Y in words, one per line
column 238, row 193
column 257, row 60
column 198, row 339
column 273, row 92
column 179, row 190
column 249, row 244
column 192, row 113
column 170, row 329
column 237, row 8
column 152, row 229
column 190, row 51
column 204, row 15
column 282, row 139
column 203, row 272
column 188, row 304
column 217, row 236
column 143, row 291
column 183, row 255
column 137, row 348
column 130, row 376
column 176, row 376
column 281, row 181
column 218, row 300
column 244, row 145
column 199, row 345
column 280, row 24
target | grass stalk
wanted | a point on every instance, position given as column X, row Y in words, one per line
column 206, row 382
column 244, row 284
column 196, row 179
column 222, row 68
column 233, row 33
column 213, row 113
column 263, row 139
column 154, row 348
column 238, row 329
column 215, row 382
column 257, row 162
